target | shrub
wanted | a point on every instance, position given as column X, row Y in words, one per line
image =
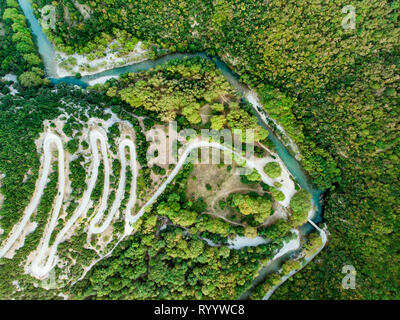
column 273, row 169
column 300, row 205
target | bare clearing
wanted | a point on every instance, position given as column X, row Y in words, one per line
column 213, row 183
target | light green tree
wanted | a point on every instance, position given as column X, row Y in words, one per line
column 273, row 169
column 300, row 205
column 32, row 59
column 218, row 122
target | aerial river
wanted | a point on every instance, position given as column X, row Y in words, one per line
column 48, row 55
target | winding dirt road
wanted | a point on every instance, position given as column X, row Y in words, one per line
column 197, row 143
column 49, row 140
column 46, row 256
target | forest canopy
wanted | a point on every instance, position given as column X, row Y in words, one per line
column 334, row 90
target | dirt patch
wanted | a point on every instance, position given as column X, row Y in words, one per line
column 205, row 113
column 215, row 183
column 280, row 212
column 84, row 10
column 158, row 152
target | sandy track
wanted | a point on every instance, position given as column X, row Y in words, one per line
column 96, row 136
column 121, row 188
column 46, row 256
column 49, row 140
column 196, row 144
column 45, row 259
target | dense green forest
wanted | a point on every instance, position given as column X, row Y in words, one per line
column 179, row 89
column 18, row 54
column 174, row 262
column 335, row 91
column 170, row 262
column 339, row 87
